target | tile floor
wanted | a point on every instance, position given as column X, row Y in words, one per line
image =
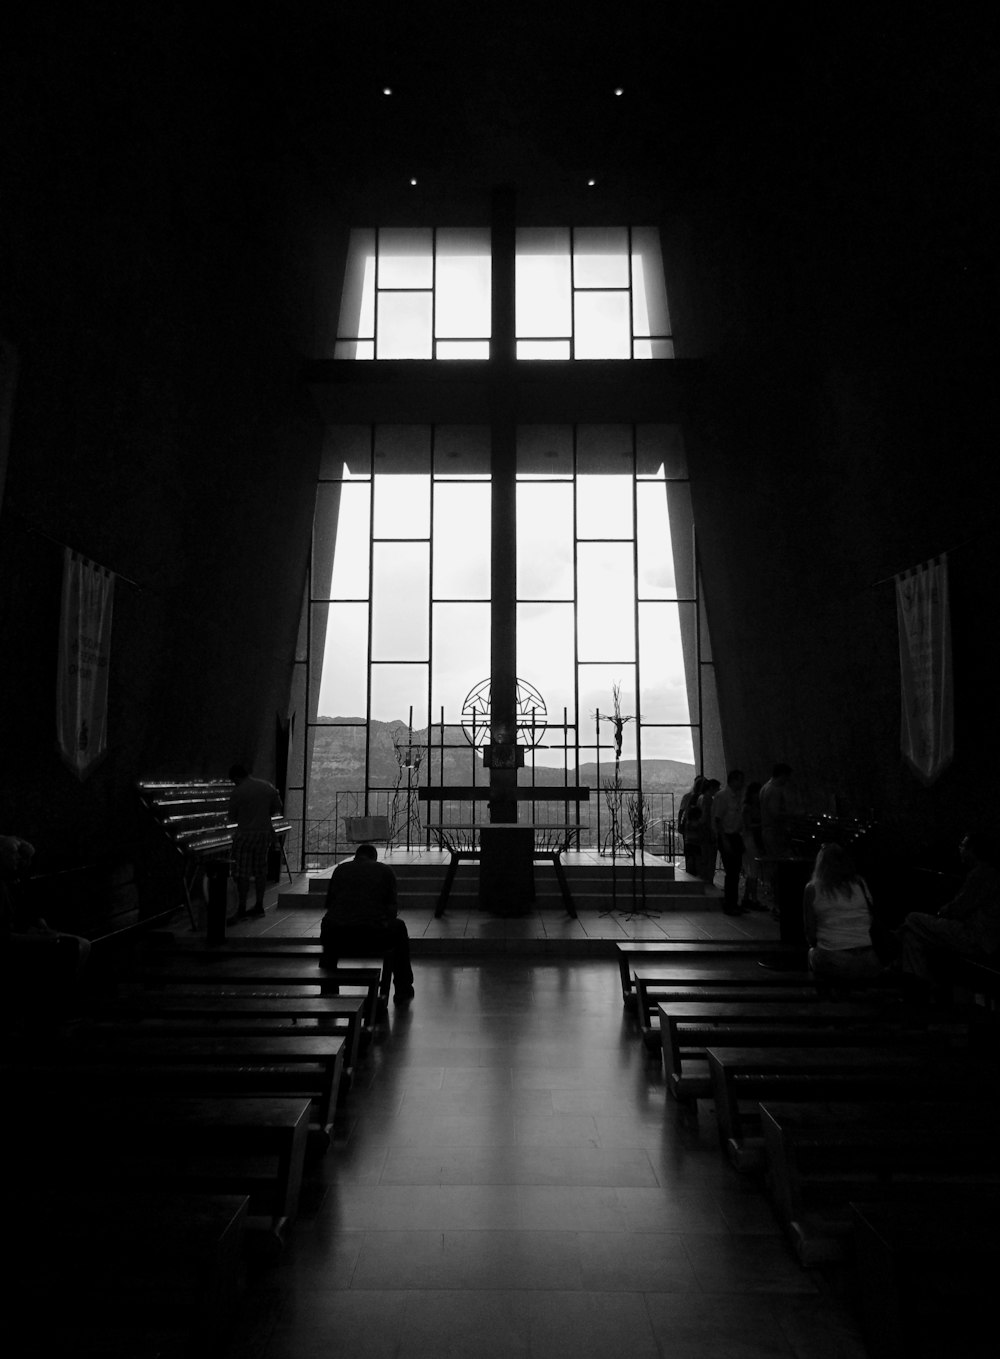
column 509, row 1179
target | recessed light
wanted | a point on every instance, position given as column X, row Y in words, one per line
column 413, row 181
column 591, row 183
column 387, row 89
column 618, row 92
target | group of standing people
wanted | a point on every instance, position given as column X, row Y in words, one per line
column 744, row 823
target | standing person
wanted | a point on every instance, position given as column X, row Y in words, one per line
column 753, row 845
column 837, row 919
column 727, row 821
column 775, row 813
column 362, row 917
column 251, row 806
column 709, row 848
column 690, row 841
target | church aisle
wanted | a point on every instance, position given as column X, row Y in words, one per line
column 510, row 1180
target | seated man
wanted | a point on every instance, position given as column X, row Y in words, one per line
column 361, row 917
column 968, row 925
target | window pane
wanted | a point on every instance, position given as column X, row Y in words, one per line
column 404, row 325
column 340, row 631
column 652, row 349
column 656, row 558
column 463, row 284
column 543, row 349
column 664, row 696
column 354, row 349
column 461, row 451
column 347, row 451
column 606, row 602
column 544, row 541
column 462, row 349
column 338, row 765
column 602, row 326
column 404, row 257
column 402, row 448
column 545, row 658
column 460, row 656
column 597, row 695
column 604, row 448
column 357, row 304
column 649, row 292
column 660, row 451
column 542, row 283
column 600, row 257
column 402, row 506
column 669, row 743
column 400, row 601
column 350, row 561
column 461, row 541
column 545, row 450
column 395, row 688
column 604, row 507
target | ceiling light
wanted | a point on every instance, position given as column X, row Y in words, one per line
column 387, row 90
column 619, row 91
column 413, row 181
column 591, row 183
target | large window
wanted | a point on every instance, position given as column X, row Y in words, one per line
column 400, row 609
column 581, row 293
column 416, row 293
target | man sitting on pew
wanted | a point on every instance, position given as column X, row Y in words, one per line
column 968, row 925
column 361, row 917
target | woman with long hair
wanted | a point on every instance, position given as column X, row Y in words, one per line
column 838, row 918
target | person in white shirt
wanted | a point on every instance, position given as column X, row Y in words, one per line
column 837, row 914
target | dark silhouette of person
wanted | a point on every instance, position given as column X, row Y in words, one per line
column 362, row 917
column 251, row 806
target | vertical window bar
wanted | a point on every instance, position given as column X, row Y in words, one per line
column 371, row 606
column 306, row 742
column 576, row 626
column 430, row 578
column 375, row 353
column 631, row 333
column 572, row 352
column 434, row 326
column 635, row 608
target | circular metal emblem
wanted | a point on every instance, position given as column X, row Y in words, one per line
column 531, row 714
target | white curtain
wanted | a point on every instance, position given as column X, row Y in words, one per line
column 927, row 735
column 84, row 655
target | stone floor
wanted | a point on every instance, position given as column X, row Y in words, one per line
column 509, row 1179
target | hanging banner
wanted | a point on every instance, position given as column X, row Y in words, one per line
column 927, row 735
column 84, row 653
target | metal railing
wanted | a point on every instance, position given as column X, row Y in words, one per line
column 319, row 841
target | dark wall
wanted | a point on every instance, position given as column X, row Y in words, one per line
column 843, row 427
column 152, row 282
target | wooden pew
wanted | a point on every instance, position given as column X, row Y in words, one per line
column 744, row 1077
column 687, row 1029
column 926, row 1275
column 101, row 1274
column 643, row 953
column 822, row 1156
column 739, row 975
column 188, row 1065
column 204, row 1009
column 155, row 1143
column 264, row 974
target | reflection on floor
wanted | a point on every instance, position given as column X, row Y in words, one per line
column 509, row 1179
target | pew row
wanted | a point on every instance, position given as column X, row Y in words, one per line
column 745, row 1077
column 821, row 1157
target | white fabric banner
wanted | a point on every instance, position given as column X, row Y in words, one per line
column 927, row 735
column 84, row 653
